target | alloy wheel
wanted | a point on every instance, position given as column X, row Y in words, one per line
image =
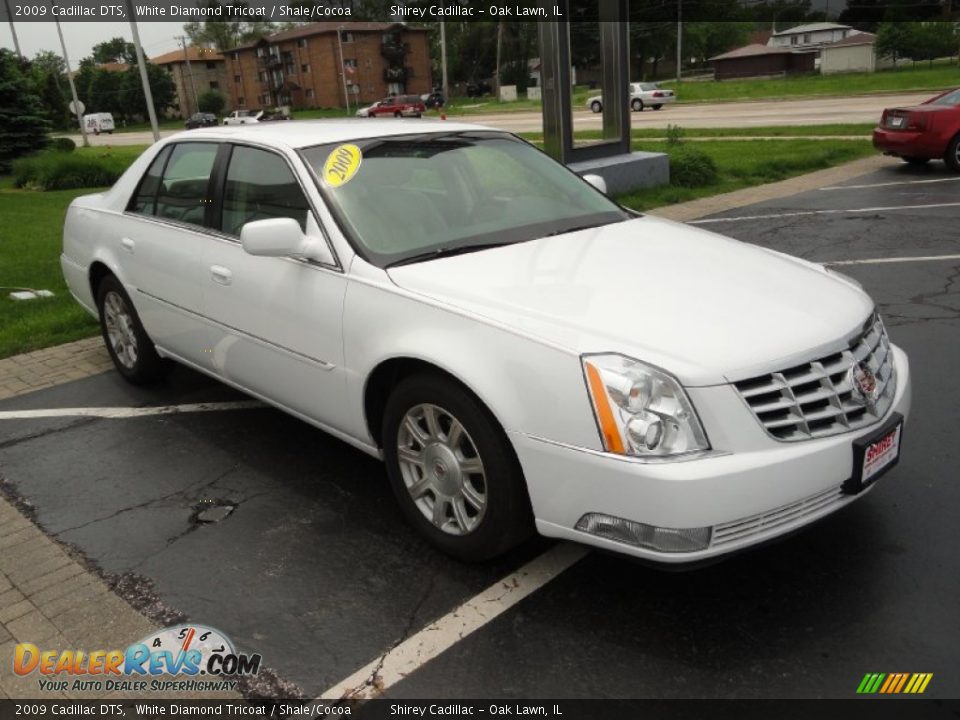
column 442, row 469
column 120, row 329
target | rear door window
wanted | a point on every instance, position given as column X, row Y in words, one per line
column 144, row 200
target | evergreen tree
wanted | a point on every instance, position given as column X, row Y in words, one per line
column 23, row 126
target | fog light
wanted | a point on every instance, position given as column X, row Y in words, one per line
column 646, row 536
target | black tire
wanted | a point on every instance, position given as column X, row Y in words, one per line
column 507, row 518
column 148, row 366
column 398, row 114
column 952, row 158
column 636, row 105
column 656, row 107
column 915, row 160
column 596, row 106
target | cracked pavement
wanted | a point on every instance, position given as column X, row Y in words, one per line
column 316, row 570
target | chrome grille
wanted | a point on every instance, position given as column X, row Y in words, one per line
column 762, row 522
column 817, row 398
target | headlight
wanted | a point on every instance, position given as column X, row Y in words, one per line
column 641, row 411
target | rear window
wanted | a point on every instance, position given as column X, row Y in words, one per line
column 951, row 98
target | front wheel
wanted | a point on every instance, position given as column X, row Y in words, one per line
column 952, row 158
column 453, row 470
column 128, row 344
column 398, row 114
column 637, row 105
column 596, row 106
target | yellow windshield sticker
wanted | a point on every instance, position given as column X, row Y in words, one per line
column 341, row 165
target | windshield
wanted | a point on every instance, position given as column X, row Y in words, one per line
column 420, row 194
column 951, row 98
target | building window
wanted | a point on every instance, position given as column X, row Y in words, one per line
column 305, row 68
column 240, row 102
column 236, row 79
column 214, row 85
column 263, row 76
column 302, row 43
column 309, row 93
column 211, row 65
column 346, row 37
column 236, row 56
column 350, row 63
column 806, row 38
column 794, row 40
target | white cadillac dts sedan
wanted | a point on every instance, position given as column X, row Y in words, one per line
column 519, row 349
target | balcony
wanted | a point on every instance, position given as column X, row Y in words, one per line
column 269, row 60
column 397, row 74
column 394, row 51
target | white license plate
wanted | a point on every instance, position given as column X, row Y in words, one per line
column 895, row 122
column 880, row 454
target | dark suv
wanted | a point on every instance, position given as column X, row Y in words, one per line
column 198, row 120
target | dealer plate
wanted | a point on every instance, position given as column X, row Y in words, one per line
column 875, row 454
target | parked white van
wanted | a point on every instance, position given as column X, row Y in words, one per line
column 98, row 123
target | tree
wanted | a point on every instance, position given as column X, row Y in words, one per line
column 104, row 92
column 115, row 50
column 161, row 87
column 211, row 102
column 54, row 103
column 933, row 40
column 23, row 127
column 703, row 40
column 226, row 34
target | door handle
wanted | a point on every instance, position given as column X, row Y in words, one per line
column 127, row 244
column 221, row 274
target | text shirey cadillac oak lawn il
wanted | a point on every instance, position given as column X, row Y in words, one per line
column 520, row 350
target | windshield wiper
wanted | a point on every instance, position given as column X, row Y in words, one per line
column 578, row 228
column 443, row 252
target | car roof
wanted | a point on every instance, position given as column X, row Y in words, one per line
column 304, row 133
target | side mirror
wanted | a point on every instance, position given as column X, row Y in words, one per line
column 282, row 237
column 597, row 181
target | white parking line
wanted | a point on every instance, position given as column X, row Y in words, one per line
column 128, row 412
column 890, row 184
column 799, row 213
column 880, row 261
column 418, row 649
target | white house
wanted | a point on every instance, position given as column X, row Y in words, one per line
column 855, row 53
column 812, row 36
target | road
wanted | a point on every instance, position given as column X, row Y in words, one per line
column 764, row 113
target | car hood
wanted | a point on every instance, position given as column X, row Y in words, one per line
column 706, row 308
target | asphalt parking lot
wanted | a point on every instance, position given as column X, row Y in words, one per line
column 316, row 570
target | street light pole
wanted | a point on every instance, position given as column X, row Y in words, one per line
column 73, row 87
column 343, row 70
column 13, row 30
column 679, row 37
column 193, row 85
column 443, row 61
column 144, row 78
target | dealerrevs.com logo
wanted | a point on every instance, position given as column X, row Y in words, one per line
column 186, row 658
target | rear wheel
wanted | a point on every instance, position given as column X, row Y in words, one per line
column 398, row 114
column 637, row 105
column 952, row 158
column 656, row 107
column 453, row 470
column 131, row 350
column 596, row 106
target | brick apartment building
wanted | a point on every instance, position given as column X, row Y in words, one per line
column 301, row 67
column 205, row 71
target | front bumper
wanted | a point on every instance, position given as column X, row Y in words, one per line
column 762, row 489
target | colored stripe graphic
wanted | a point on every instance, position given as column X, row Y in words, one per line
column 894, row 683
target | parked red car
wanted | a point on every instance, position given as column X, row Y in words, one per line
column 924, row 132
column 398, row 106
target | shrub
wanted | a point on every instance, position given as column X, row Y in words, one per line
column 674, row 135
column 212, row 102
column 23, row 127
column 64, row 171
column 692, row 168
column 63, row 144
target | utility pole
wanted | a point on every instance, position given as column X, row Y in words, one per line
column 144, row 78
column 343, row 70
column 499, row 44
column 13, row 31
column 443, row 61
column 73, row 87
column 193, row 86
column 679, row 37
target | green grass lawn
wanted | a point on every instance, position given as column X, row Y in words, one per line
column 851, row 130
column 31, row 231
column 745, row 163
column 939, row 77
column 30, row 241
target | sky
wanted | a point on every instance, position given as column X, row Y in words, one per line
column 80, row 37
